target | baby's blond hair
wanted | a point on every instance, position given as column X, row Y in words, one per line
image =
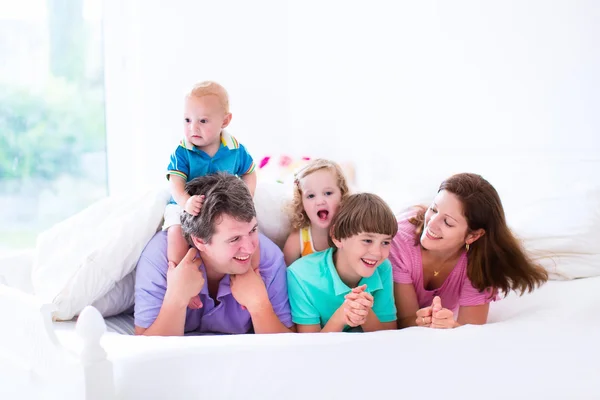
column 210, row 88
column 298, row 217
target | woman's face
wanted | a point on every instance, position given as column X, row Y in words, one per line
column 445, row 225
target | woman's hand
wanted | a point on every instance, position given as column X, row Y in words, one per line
column 424, row 316
column 441, row 318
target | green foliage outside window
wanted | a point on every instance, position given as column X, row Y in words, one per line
column 45, row 132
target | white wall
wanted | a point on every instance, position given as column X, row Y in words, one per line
column 409, row 91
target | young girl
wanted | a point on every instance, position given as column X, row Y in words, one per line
column 319, row 187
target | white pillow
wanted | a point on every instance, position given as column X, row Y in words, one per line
column 119, row 299
column 560, row 231
column 270, row 199
column 80, row 260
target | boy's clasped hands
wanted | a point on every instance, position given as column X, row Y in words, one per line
column 356, row 306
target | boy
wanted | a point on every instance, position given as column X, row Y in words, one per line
column 349, row 285
column 206, row 148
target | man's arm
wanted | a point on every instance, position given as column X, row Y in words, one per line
column 277, row 286
column 170, row 320
column 160, row 309
column 249, row 290
column 265, row 320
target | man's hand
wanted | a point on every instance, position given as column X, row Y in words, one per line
column 185, row 280
column 194, row 204
column 248, row 289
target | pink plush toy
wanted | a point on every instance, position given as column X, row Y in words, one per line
column 281, row 171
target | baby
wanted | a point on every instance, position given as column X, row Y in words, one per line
column 205, row 149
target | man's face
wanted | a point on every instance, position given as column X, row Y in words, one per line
column 231, row 247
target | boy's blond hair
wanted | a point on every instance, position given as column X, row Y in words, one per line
column 298, row 217
column 363, row 213
column 210, row 88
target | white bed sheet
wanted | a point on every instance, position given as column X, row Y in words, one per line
column 122, row 324
column 542, row 345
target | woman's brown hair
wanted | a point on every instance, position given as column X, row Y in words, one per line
column 496, row 259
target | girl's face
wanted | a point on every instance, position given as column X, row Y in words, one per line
column 445, row 225
column 321, row 197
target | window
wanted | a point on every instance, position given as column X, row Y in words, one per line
column 52, row 125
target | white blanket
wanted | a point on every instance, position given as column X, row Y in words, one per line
column 541, row 345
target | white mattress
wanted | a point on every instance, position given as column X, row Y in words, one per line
column 541, row 345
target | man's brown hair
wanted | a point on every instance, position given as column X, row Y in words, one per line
column 223, row 194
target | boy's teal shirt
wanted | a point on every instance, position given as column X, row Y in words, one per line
column 316, row 290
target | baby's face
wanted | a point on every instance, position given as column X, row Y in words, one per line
column 203, row 120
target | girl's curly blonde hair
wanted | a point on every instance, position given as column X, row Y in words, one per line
column 298, row 217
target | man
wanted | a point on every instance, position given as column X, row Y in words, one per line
column 238, row 274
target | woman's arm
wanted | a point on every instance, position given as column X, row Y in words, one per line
column 442, row 318
column 407, row 304
column 474, row 315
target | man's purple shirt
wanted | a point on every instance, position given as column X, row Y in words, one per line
column 226, row 317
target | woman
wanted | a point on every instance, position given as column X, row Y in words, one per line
column 457, row 255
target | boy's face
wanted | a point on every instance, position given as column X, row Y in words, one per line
column 203, row 120
column 364, row 252
column 231, row 247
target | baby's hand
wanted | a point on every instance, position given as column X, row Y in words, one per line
column 194, row 204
